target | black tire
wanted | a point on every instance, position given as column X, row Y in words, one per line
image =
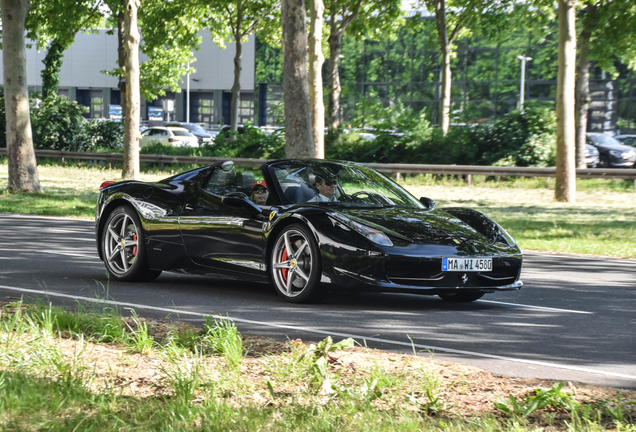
column 603, row 162
column 462, row 297
column 295, row 267
column 123, row 247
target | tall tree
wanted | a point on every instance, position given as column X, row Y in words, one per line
column 243, row 19
column 23, row 173
column 607, row 34
column 455, row 18
column 565, row 189
column 316, row 59
column 369, row 16
column 298, row 136
column 132, row 107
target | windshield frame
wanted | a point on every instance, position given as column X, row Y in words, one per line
column 357, row 186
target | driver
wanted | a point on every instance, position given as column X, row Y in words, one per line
column 326, row 187
column 259, row 192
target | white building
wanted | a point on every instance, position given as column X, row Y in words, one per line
column 210, row 86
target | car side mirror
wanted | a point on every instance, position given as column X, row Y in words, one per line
column 239, row 199
column 428, row 203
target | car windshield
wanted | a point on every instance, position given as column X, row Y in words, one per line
column 338, row 183
column 604, row 139
column 196, row 128
column 181, row 133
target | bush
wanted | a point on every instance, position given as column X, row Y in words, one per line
column 252, row 143
column 518, row 139
column 106, row 134
column 59, row 124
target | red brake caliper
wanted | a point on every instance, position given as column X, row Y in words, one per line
column 284, row 258
column 134, row 252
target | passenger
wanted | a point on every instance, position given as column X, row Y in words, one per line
column 259, row 192
column 326, row 189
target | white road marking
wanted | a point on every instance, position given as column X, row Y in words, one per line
column 330, row 333
column 537, row 307
column 69, row 254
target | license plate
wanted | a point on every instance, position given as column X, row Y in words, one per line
column 467, row 264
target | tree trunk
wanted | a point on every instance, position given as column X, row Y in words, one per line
column 583, row 90
column 131, row 69
column 236, row 87
column 298, row 137
column 121, row 60
column 23, row 172
column 335, row 39
column 316, row 59
column 565, row 170
column 445, row 48
column 445, row 91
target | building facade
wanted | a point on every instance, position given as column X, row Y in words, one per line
column 210, row 96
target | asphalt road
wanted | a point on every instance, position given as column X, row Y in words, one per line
column 575, row 318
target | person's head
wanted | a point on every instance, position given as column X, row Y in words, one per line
column 326, row 185
column 260, row 192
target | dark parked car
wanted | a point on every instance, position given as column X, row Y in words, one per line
column 612, row 154
column 323, row 226
column 591, row 156
column 629, row 140
column 202, row 135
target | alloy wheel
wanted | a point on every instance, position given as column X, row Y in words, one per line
column 121, row 243
column 292, row 263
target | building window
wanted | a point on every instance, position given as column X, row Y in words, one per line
column 206, row 111
column 97, row 106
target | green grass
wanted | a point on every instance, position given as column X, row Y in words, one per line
column 46, row 383
column 602, row 222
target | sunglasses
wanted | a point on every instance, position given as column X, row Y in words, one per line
column 260, row 190
column 330, row 182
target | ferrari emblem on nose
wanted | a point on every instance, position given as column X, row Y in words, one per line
column 464, row 278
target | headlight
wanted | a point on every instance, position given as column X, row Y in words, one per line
column 376, row 236
column 616, row 153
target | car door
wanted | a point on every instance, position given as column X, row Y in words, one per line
column 226, row 239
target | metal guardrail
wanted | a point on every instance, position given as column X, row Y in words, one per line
column 494, row 171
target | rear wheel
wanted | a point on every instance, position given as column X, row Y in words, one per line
column 462, row 297
column 123, row 247
column 294, row 265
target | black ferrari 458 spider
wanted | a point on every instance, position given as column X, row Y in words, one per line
column 307, row 226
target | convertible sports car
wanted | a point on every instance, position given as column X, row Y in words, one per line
column 307, row 226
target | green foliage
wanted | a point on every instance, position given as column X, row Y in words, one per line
column 554, row 398
column 222, row 337
column 517, row 139
column 321, row 352
column 253, row 143
column 59, row 124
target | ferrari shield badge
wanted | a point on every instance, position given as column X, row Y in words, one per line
column 272, row 215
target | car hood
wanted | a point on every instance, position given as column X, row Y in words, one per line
column 419, row 225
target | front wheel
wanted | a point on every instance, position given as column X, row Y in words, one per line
column 294, row 265
column 603, row 162
column 123, row 247
column 462, row 297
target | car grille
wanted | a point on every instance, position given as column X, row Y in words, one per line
column 428, row 273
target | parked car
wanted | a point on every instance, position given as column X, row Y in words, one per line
column 202, row 135
column 324, row 226
column 591, row 156
column 178, row 137
column 629, row 140
column 612, row 154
